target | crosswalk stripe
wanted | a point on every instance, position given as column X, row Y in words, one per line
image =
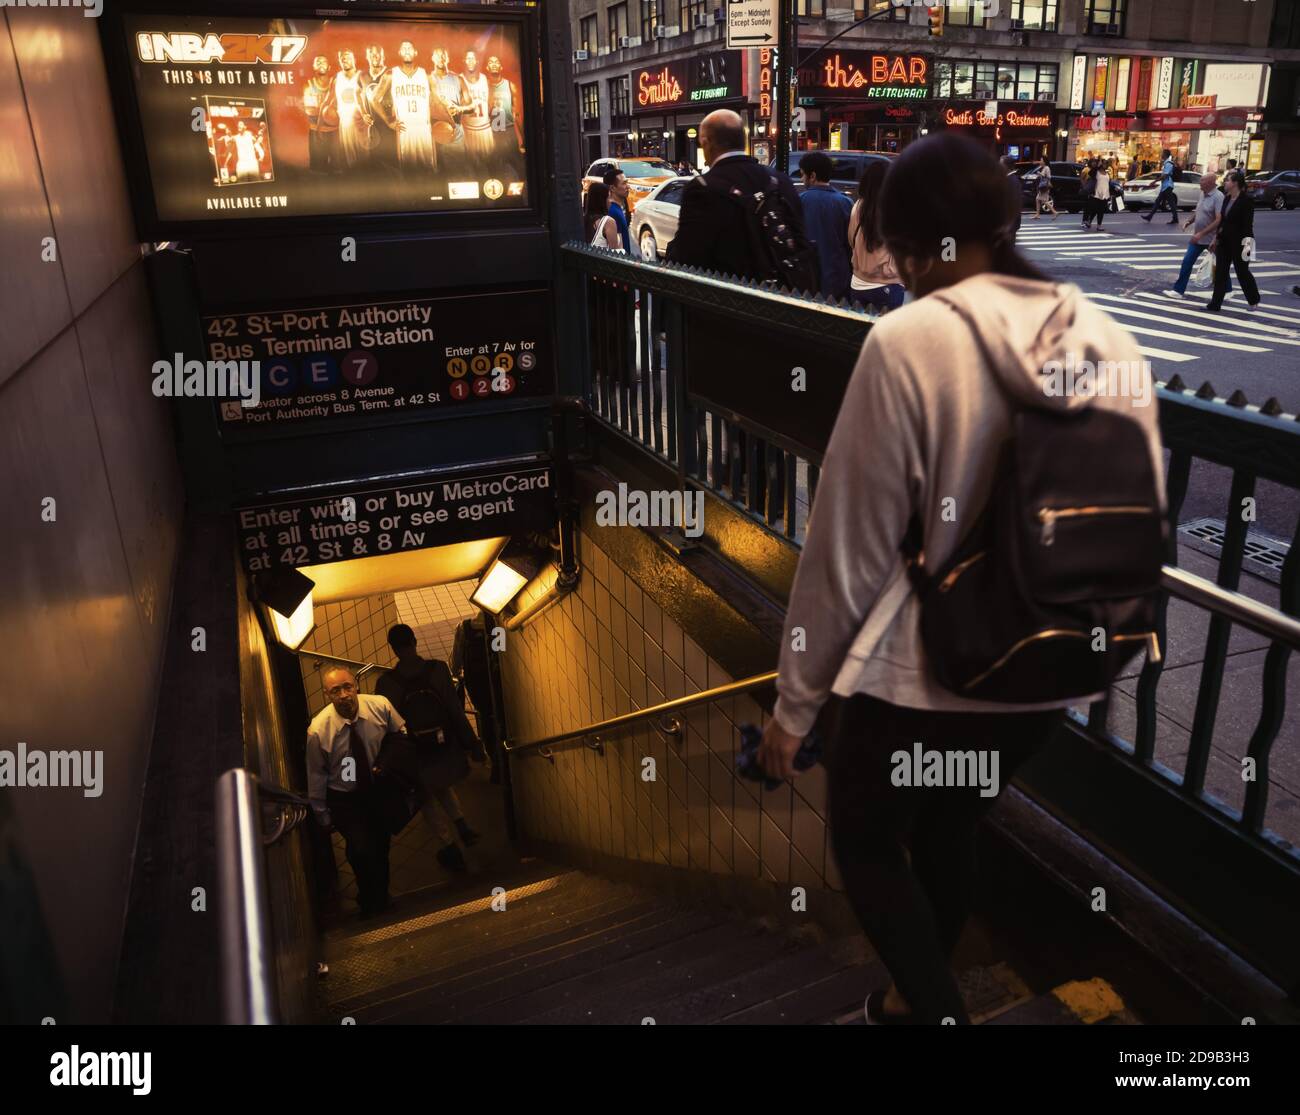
column 1284, row 336
column 1124, row 311
column 1146, row 332
column 1166, row 354
column 1265, row 312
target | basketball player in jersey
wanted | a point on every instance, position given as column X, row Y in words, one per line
column 322, row 120
column 503, row 110
column 448, row 103
column 476, row 118
column 376, row 84
column 354, row 120
column 412, row 97
column 248, row 154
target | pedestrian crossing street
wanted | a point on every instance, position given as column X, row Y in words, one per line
column 1171, row 329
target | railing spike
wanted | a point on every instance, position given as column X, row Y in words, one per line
column 1176, row 383
column 1238, row 398
column 1271, row 408
column 1206, row 391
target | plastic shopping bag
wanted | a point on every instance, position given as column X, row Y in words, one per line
column 1203, row 272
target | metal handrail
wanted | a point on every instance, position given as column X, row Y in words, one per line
column 1259, row 618
column 365, row 667
column 247, row 982
column 758, row 681
column 1251, row 614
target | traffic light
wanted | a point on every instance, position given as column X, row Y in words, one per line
column 936, row 20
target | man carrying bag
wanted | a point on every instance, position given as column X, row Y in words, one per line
column 441, row 736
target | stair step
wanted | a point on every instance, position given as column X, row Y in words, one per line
column 823, row 1000
column 684, row 965
column 402, row 953
column 479, row 976
column 793, row 968
column 617, row 960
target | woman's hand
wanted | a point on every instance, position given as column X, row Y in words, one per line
column 777, row 751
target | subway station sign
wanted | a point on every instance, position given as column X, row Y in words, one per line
column 395, row 517
column 702, row 80
column 385, row 358
column 866, row 75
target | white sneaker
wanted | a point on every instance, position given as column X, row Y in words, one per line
column 1174, row 294
column 1251, row 308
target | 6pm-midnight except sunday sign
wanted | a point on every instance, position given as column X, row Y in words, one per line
column 429, row 512
column 386, row 358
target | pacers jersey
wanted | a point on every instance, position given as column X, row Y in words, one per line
column 411, row 98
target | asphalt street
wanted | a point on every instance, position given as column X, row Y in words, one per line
column 1127, row 268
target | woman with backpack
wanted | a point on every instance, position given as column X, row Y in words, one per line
column 912, row 474
column 597, row 225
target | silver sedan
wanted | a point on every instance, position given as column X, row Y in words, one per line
column 654, row 221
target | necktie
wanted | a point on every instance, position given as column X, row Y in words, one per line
column 357, row 749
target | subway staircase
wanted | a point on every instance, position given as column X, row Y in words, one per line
column 559, row 946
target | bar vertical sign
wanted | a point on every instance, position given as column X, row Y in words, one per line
column 752, row 23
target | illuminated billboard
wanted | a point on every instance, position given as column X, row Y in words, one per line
column 252, row 117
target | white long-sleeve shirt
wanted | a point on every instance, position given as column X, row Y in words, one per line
column 329, row 741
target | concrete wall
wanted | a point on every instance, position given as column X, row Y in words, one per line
column 83, row 613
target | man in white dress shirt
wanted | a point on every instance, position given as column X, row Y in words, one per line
column 342, row 747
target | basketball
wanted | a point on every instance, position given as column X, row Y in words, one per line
column 443, row 132
column 329, row 116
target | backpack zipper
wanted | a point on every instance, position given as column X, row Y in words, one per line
column 958, row 570
column 1048, row 516
column 1149, row 637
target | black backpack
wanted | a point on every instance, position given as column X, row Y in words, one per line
column 422, row 708
column 1054, row 589
column 781, row 253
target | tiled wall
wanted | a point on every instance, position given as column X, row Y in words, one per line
column 87, row 595
column 606, row 649
column 356, row 629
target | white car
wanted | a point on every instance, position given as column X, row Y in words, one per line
column 1145, row 188
column 654, row 222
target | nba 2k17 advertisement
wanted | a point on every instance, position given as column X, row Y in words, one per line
column 385, row 359
column 247, row 117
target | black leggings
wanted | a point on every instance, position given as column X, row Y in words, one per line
column 913, row 912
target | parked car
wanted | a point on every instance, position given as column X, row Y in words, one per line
column 656, row 218
column 643, row 175
column 1278, row 189
column 1145, row 188
column 846, row 168
column 1065, row 185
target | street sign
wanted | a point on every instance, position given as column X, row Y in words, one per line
column 799, row 119
column 752, row 23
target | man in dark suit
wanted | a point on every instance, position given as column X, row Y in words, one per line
column 1236, row 224
column 711, row 228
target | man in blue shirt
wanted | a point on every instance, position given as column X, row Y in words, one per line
column 1167, row 195
column 826, row 219
column 616, row 180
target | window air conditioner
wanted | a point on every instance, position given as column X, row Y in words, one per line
column 1017, row 25
column 625, row 41
column 719, row 16
column 579, row 55
column 1110, row 29
column 662, row 33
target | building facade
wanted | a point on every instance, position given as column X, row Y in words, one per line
column 1209, row 79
